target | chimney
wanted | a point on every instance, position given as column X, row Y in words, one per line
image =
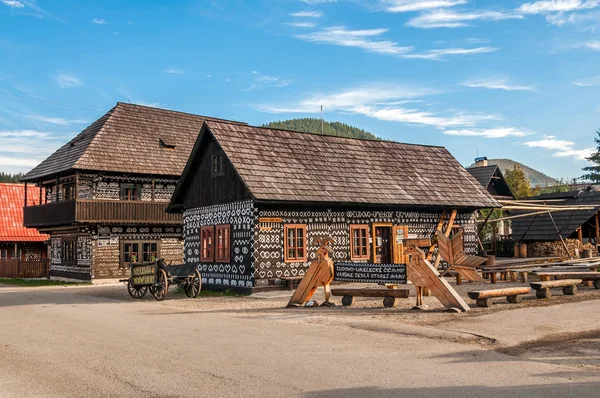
column 481, row 162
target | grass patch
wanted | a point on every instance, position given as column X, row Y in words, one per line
column 39, row 282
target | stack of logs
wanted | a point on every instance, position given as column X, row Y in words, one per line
column 556, row 248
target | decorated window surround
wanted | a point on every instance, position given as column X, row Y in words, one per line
column 299, row 249
column 222, row 243
column 362, row 231
column 207, row 235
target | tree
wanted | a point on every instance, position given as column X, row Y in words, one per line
column 593, row 172
column 560, row 186
column 7, row 177
column 518, row 183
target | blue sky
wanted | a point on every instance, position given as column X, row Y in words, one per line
column 511, row 79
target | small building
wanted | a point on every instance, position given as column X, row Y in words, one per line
column 254, row 198
column 104, row 193
column 16, row 241
column 491, row 178
column 542, row 232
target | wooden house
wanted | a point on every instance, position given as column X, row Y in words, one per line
column 492, row 179
column 254, row 198
column 16, row 241
column 104, row 193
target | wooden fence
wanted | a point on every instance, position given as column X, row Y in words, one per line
column 24, row 269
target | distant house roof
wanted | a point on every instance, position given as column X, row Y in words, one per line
column 541, row 228
column 129, row 139
column 288, row 166
column 492, row 179
column 12, row 199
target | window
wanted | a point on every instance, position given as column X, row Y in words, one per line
column 359, row 242
column 140, row 252
column 217, row 164
column 131, row 192
column 69, row 251
column 295, row 242
column 206, row 241
column 222, row 242
column 3, row 253
column 69, row 191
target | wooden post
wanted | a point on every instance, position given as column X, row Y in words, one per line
column 580, row 234
column 152, row 194
column 438, row 258
column 41, row 189
column 494, row 248
column 57, row 185
column 25, row 200
column 76, row 186
column 560, row 236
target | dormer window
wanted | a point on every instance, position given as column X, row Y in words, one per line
column 165, row 143
column 217, row 164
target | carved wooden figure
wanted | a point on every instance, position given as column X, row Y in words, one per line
column 452, row 250
column 320, row 273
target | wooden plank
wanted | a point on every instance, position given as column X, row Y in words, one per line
column 577, row 275
column 447, row 234
column 371, row 292
column 556, row 283
column 438, row 228
column 510, row 291
column 470, row 274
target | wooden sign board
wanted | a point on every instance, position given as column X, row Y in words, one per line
column 370, row 273
column 267, row 220
column 143, row 274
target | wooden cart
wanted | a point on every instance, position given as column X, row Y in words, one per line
column 157, row 276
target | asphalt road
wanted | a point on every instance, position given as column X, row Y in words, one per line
column 61, row 343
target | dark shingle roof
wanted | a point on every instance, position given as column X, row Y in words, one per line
column 279, row 165
column 483, row 174
column 491, row 178
column 540, row 227
column 127, row 139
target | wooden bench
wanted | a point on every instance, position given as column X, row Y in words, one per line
column 483, row 298
column 542, row 289
column 584, row 276
column 389, row 295
column 289, row 280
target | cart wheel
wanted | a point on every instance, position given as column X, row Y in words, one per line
column 136, row 292
column 160, row 289
column 193, row 287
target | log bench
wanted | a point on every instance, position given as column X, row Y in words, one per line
column 542, row 289
column 389, row 295
column 584, row 276
column 289, row 281
column 483, row 298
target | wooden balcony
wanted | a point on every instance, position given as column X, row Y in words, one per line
column 98, row 211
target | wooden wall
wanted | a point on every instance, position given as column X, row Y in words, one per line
column 205, row 189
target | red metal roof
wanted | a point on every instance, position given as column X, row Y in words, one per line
column 12, row 197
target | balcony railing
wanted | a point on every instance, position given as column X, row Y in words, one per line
column 98, row 211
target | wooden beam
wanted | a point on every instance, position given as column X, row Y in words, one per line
column 597, row 229
column 560, row 236
column 57, row 185
column 438, row 258
column 438, row 228
column 580, row 234
column 25, row 199
column 76, row 185
column 41, row 189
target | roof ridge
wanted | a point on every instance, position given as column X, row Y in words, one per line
column 334, row 136
column 218, row 119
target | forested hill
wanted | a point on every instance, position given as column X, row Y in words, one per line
column 536, row 178
column 311, row 125
column 7, row 177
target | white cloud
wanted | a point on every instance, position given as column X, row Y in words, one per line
column 307, row 14
column 98, row 21
column 590, row 44
column 588, row 82
column 318, row 1
column 497, row 83
column 18, row 162
column 68, row 81
column 549, row 6
column 380, row 101
column 439, row 54
column 302, row 24
column 498, row 132
column 260, row 81
column 13, row 3
column 56, row 120
column 451, row 19
column 174, row 71
column 418, row 5
column 341, row 36
column 561, row 148
column 23, row 149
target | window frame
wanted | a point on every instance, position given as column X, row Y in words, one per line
column 68, row 191
column 3, row 254
column 295, row 259
column 210, row 256
column 222, row 254
column 71, row 244
column 140, row 251
column 360, row 227
column 217, row 160
column 124, row 187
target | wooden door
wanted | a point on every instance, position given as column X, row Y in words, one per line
column 399, row 234
column 382, row 243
